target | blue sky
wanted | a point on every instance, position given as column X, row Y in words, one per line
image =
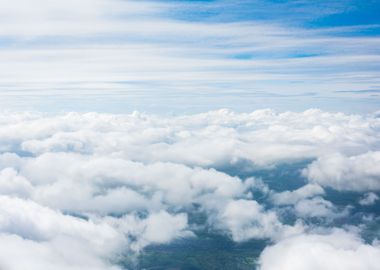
column 189, row 56
column 305, row 13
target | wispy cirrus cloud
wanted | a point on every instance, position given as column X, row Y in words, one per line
column 136, row 49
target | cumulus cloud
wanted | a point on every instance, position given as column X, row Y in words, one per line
column 338, row 250
column 18, row 253
column 317, row 207
column 247, row 219
column 115, row 184
column 355, row 173
column 307, row 202
column 158, row 228
column 369, row 198
column 292, row 197
column 46, row 237
column 13, row 184
column 209, row 139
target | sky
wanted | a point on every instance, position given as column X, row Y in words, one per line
column 178, row 134
column 173, row 57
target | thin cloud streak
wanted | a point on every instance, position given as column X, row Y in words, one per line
column 95, row 45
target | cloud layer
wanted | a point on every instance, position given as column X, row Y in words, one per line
column 111, row 185
column 151, row 56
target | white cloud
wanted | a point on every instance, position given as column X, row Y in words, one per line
column 245, row 220
column 43, row 237
column 131, row 48
column 135, row 178
column 103, row 177
column 307, row 202
column 369, row 198
column 211, row 139
column 13, row 184
column 356, row 173
column 338, row 250
column 292, row 197
column 317, row 207
column 158, row 228
column 17, row 253
column 35, row 222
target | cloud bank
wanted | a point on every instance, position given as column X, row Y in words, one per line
column 90, row 191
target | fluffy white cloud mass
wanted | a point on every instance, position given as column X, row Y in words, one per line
column 307, row 202
column 292, row 197
column 356, row 173
column 215, row 138
column 86, row 191
column 338, row 250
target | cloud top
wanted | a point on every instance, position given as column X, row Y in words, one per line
column 113, row 185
